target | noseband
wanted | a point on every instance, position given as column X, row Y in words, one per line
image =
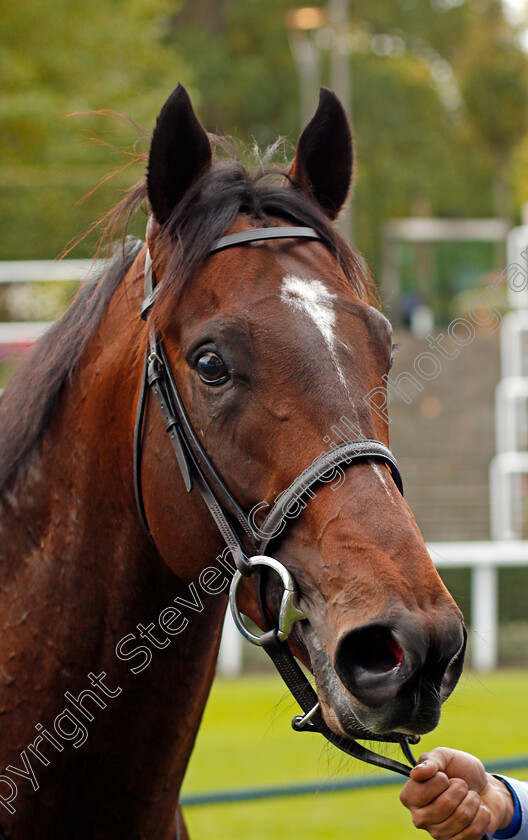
column 246, row 542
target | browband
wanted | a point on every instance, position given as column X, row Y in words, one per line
column 240, row 238
column 258, row 234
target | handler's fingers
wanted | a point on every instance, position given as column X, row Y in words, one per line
column 431, row 762
column 442, row 810
column 465, row 817
column 418, row 794
column 475, row 830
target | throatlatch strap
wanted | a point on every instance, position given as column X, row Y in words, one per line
column 136, row 463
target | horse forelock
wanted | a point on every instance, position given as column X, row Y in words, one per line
column 212, row 205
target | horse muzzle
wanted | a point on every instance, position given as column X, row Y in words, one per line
column 397, row 672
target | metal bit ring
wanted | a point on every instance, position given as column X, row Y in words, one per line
column 289, row 612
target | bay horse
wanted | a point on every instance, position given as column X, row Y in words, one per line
column 113, row 576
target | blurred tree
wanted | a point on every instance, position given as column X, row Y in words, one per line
column 239, row 52
column 438, row 100
column 58, row 57
column 412, row 63
column 493, row 72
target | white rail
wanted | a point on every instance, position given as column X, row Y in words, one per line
column 22, row 332
column 511, row 414
column 483, row 559
column 32, row 271
column 516, row 260
column 475, row 555
column 17, row 335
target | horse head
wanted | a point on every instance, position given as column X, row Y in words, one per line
column 274, row 346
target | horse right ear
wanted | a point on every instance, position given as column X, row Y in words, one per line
column 323, row 162
column 179, row 152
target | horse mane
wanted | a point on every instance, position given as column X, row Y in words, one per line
column 31, row 396
column 205, row 213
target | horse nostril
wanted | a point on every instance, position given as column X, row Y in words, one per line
column 377, row 663
column 365, row 653
column 399, row 669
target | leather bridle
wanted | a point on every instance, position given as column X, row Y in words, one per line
column 247, row 543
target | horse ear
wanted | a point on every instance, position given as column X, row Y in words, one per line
column 179, row 153
column 323, row 161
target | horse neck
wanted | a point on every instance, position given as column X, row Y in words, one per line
column 77, row 550
column 73, row 499
column 71, row 504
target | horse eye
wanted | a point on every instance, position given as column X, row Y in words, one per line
column 212, row 369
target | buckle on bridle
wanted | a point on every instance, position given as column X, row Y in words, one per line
column 300, row 722
column 154, row 357
column 289, row 611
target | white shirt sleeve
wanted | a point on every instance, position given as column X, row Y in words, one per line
column 521, row 790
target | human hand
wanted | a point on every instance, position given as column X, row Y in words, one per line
column 450, row 795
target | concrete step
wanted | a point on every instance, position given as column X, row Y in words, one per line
column 444, row 437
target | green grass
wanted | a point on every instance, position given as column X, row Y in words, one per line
column 246, row 740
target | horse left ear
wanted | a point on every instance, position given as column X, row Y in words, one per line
column 323, row 161
column 179, row 152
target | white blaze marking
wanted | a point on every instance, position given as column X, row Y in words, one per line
column 313, row 298
column 380, row 473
